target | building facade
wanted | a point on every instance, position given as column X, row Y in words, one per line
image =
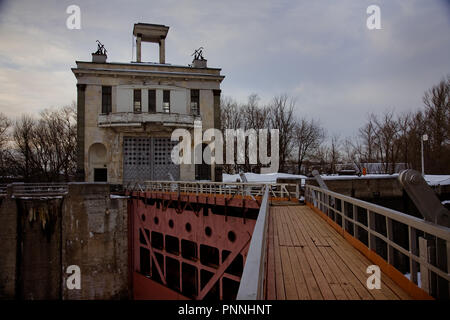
column 128, row 111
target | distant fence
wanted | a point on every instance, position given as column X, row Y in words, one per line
column 3, row 188
column 277, row 190
column 34, row 190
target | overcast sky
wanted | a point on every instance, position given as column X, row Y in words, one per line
column 319, row 52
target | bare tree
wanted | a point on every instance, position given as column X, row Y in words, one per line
column 353, row 152
column 253, row 117
column 334, row 152
column 5, row 155
column 308, row 136
column 23, row 134
column 281, row 113
column 387, row 136
column 230, row 114
column 321, row 157
column 368, row 135
column 55, row 142
column 46, row 148
column 231, row 118
column 417, row 128
column 404, row 126
column 437, row 114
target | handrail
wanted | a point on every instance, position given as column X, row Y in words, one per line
column 357, row 217
column 281, row 190
column 251, row 286
column 138, row 117
column 38, row 189
column 3, row 189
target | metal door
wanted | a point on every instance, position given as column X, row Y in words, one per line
column 137, row 164
column 146, row 158
column 162, row 161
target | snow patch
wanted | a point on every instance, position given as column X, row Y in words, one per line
column 436, row 180
column 115, row 196
column 419, row 282
column 256, row 177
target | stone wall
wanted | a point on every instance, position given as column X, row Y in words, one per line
column 8, row 247
column 39, row 261
column 95, row 238
column 88, row 228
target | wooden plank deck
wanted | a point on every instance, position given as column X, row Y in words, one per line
column 309, row 260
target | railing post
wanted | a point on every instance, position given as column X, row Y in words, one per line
column 314, row 198
column 390, row 236
column 424, row 272
column 371, row 226
column 447, row 243
column 413, row 250
column 448, row 256
column 343, row 214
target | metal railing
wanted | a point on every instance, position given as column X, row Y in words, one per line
column 34, row 190
column 251, row 286
column 374, row 226
column 3, row 190
column 277, row 190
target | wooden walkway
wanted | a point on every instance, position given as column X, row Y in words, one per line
column 308, row 259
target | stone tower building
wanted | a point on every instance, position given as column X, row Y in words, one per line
column 127, row 112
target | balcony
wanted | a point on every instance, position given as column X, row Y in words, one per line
column 137, row 119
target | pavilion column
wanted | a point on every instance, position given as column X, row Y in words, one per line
column 162, row 50
column 138, row 48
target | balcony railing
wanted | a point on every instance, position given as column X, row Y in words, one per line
column 118, row 119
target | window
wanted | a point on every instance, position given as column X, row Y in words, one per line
column 195, row 102
column 152, row 101
column 106, row 99
column 137, row 100
column 166, row 101
column 100, row 175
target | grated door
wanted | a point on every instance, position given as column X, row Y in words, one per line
column 146, row 158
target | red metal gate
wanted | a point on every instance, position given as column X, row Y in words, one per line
column 189, row 246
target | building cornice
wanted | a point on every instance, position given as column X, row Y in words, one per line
column 146, row 74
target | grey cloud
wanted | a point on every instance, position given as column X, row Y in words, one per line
column 319, row 52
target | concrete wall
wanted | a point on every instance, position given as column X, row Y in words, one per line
column 39, row 262
column 364, row 188
column 88, row 229
column 179, row 99
column 8, row 247
column 95, row 237
column 124, row 99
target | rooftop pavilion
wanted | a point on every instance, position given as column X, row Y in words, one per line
column 155, row 33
